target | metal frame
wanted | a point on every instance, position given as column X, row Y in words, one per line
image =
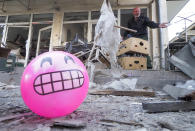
column 39, row 38
column 21, row 24
column 29, row 41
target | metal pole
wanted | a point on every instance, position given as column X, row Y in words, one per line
column 162, row 54
column 28, row 44
column 186, row 31
column 89, row 36
column 38, row 43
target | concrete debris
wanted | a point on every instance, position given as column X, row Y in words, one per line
column 77, row 45
column 165, row 124
column 185, row 61
column 122, row 84
column 192, row 45
column 123, row 113
column 12, row 117
column 43, row 128
column 190, row 84
column 121, row 122
column 153, row 79
column 12, row 78
column 124, row 93
column 103, row 112
column 165, row 106
column 108, row 124
column 70, row 123
column 2, row 84
column 182, row 91
column 141, row 129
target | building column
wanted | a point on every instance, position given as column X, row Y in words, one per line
column 154, row 39
column 56, row 32
column 162, row 5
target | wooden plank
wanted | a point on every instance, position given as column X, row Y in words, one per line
column 132, row 123
column 12, row 117
column 186, row 93
column 168, row 106
column 70, row 123
column 128, row 29
column 124, row 93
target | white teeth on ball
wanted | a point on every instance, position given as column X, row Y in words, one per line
column 53, row 82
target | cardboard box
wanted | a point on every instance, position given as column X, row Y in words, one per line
column 134, row 45
column 133, row 63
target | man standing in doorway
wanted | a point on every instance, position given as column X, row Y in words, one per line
column 140, row 23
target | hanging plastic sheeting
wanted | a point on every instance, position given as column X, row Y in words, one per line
column 106, row 35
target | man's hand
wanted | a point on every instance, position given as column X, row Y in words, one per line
column 163, row 25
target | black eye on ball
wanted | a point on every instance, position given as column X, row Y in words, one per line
column 67, row 58
column 47, row 59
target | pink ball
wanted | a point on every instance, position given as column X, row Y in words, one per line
column 54, row 84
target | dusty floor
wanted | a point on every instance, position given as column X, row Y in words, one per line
column 96, row 113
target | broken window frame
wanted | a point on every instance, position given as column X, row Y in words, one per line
column 25, row 25
column 74, row 16
column 82, row 21
column 90, row 22
column 45, row 20
column 19, row 18
column 29, row 23
column 4, row 19
column 39, row 38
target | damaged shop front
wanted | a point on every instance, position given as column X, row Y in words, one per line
column 40, row 26
column 137, row 100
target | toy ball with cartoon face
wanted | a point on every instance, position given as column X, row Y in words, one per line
column 54, row 84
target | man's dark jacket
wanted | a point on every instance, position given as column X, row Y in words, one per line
column 141, row 26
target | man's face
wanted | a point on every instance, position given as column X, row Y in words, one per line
column 136, row 12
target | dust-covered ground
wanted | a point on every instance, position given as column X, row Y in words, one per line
column 96, row 113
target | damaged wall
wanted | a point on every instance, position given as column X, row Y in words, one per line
column 154, row 39
column 56, row 32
